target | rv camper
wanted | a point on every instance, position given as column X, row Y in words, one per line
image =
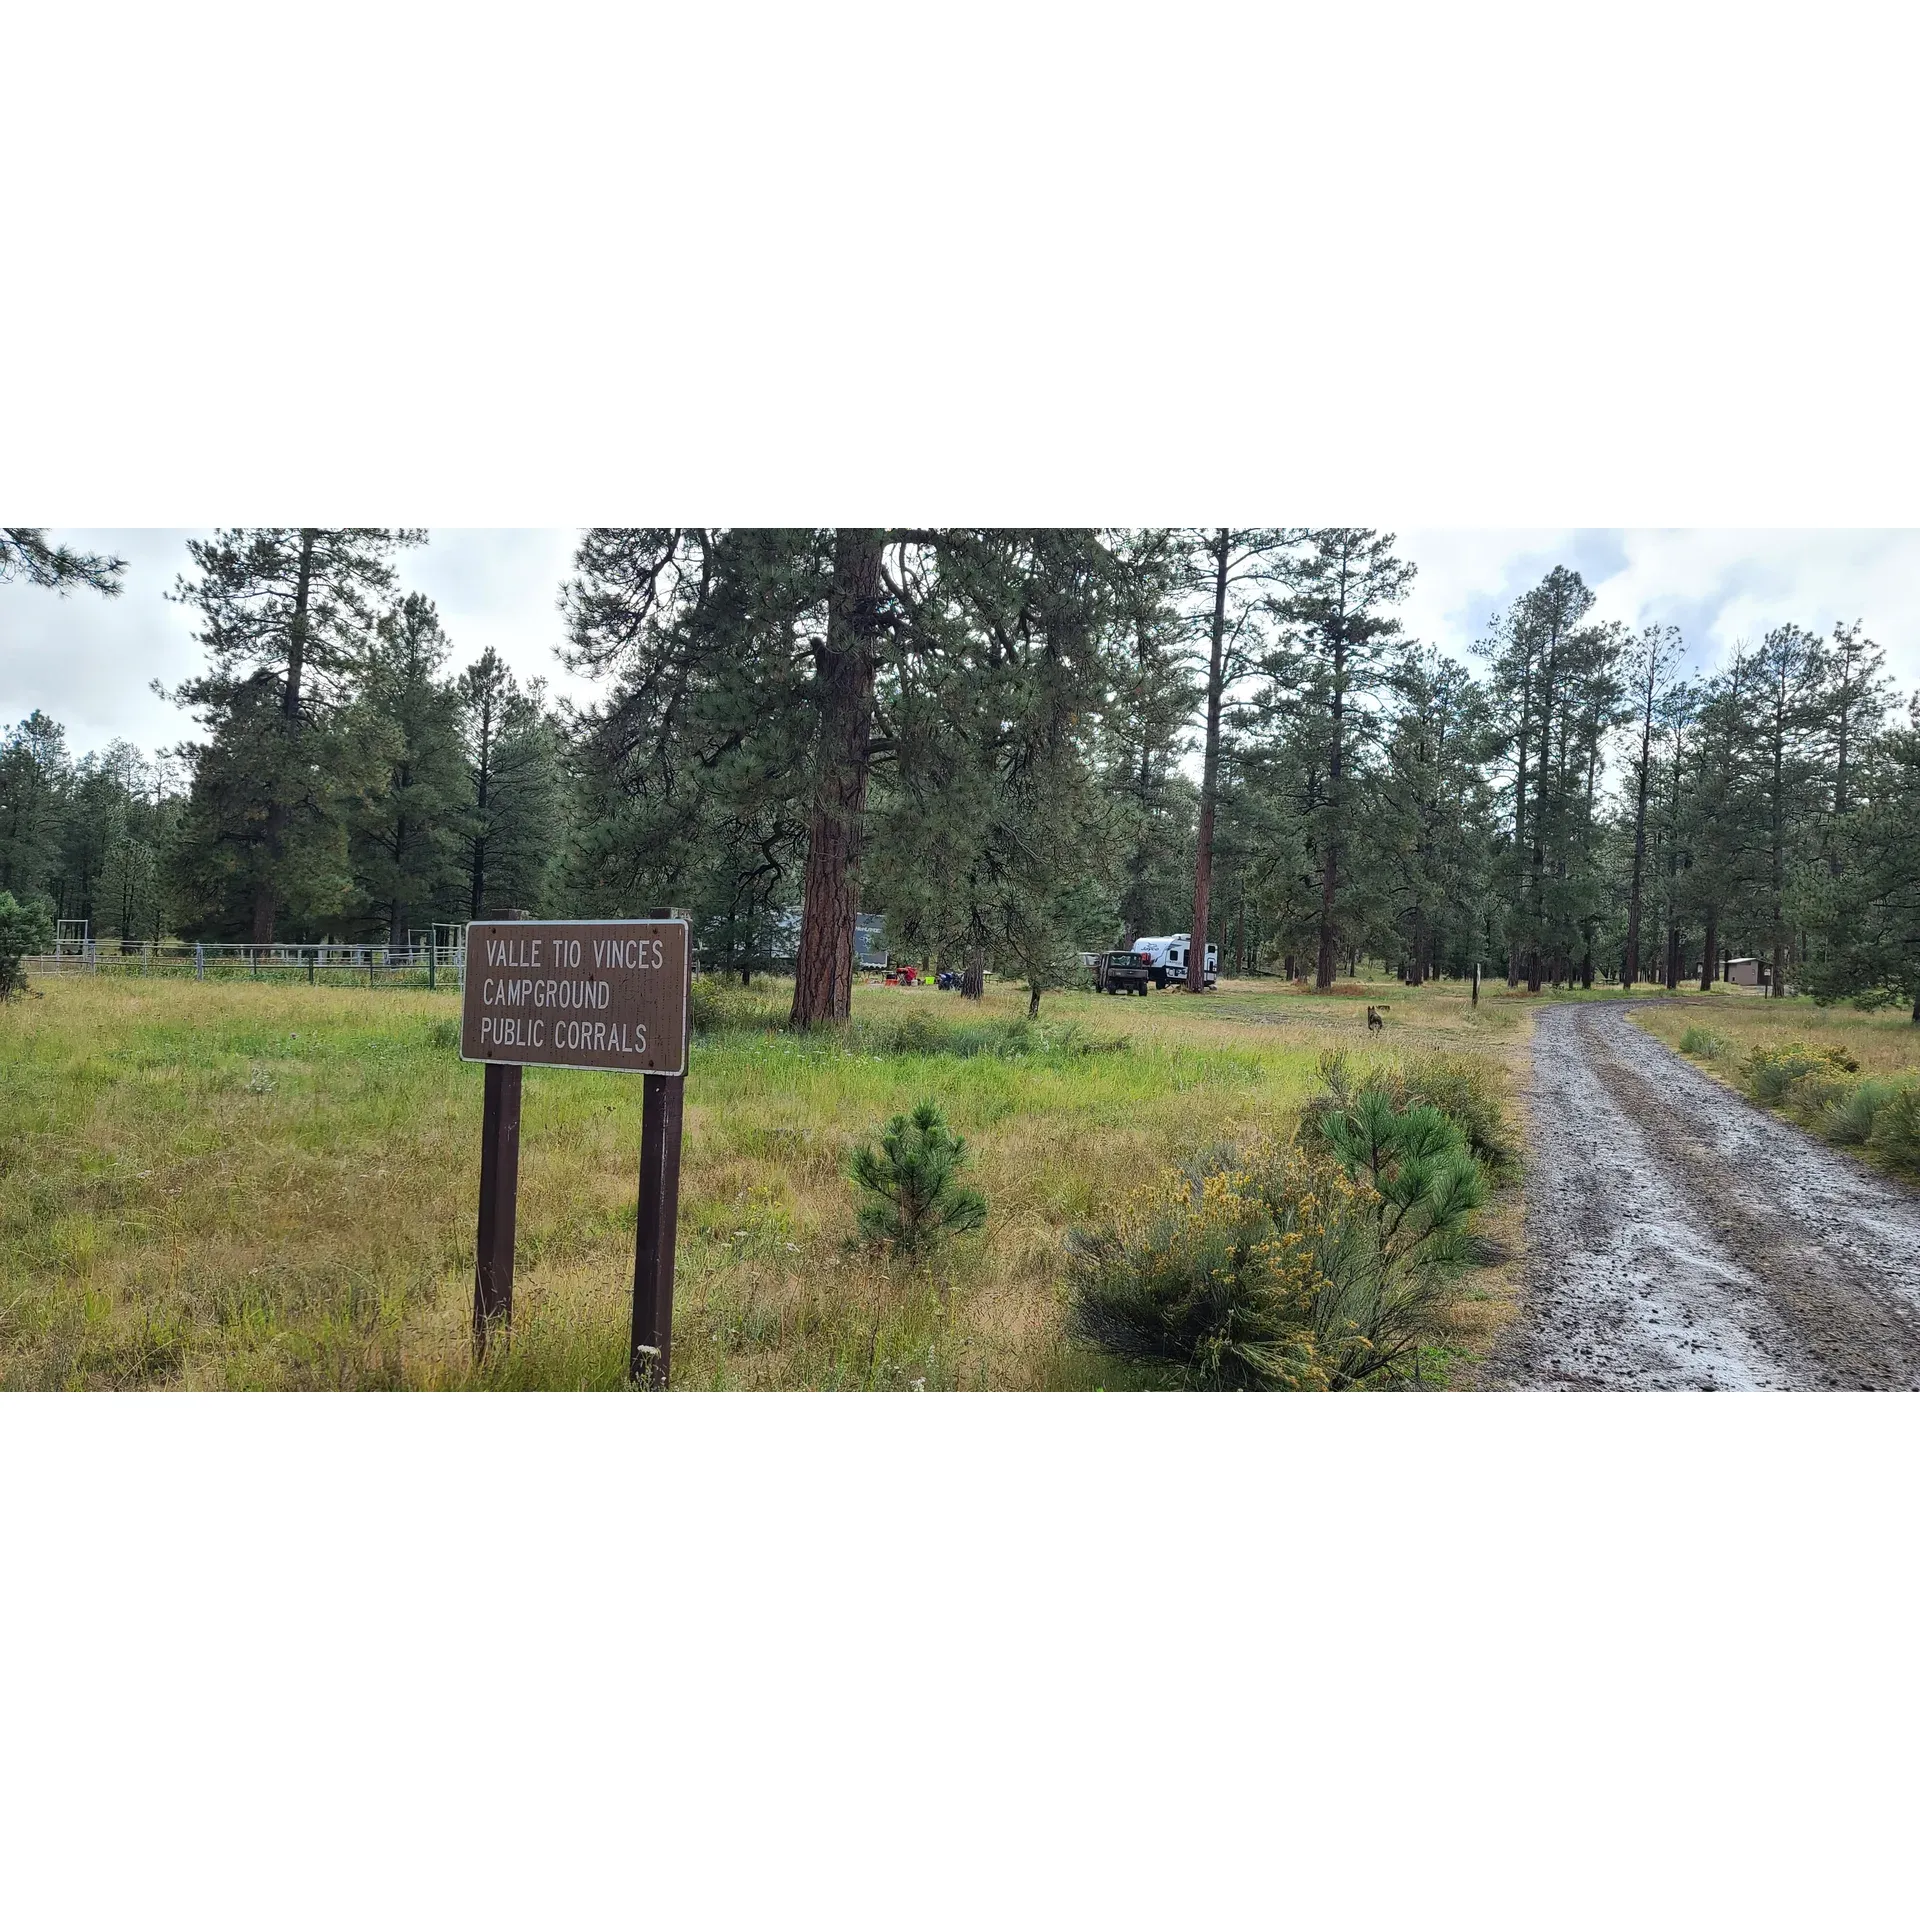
column 1166, row 957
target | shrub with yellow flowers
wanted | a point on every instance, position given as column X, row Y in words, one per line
column 1288, row 1267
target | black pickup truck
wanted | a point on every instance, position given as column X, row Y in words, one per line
column 1121, row 973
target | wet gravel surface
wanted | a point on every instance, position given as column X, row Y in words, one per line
column 1679, row 1238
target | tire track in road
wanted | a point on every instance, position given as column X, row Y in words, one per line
column 1680, row 1238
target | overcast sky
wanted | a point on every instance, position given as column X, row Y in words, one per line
column 88, row 661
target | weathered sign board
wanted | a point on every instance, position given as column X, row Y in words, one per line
column 605, row 994
column 577, row 993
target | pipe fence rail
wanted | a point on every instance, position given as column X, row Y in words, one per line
column 420, row 963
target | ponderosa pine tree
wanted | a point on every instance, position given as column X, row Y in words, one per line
column 285, row 616
column 995, row 842
column 36, row 773
column 1677, row 720
column 511, row 829
column 1856, row 703
column 26, row 554
column 1139, row 749
column 1232, row 578
column 1866, row 905
column 1724, row 828
column 405, row 834
column 772, row 651
column 1433, row 821
column 1788, row 694
column 1345, row 649
column 1549, row 617
column 1654, row 659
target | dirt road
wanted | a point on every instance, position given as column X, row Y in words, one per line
column 1681, row 1238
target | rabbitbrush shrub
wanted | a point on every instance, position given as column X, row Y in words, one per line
column 1221, row 1275
column 912, row 1176
column 1288, row 1267
column 1770, row 1071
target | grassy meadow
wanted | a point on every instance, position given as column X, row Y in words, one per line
column 240, row 1185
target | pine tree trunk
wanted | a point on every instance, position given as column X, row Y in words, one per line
column 973, row 981
column 1709, row 953
column 848, row 661
column 1209, row 770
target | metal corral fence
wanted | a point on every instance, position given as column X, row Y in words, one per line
column 421, row 963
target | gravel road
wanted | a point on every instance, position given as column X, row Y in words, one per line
column 1679, row 1238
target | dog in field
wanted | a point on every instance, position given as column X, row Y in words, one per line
column 1374, row 1023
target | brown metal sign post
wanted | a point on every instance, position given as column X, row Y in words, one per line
column 650, row 1353
column 499, row 1201
column 604, row 994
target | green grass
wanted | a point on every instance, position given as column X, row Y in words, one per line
column 264, row 1185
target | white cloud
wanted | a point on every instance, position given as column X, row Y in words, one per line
column 88, row 660
column 1720, row 586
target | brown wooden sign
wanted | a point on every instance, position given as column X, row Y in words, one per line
column 577, row 993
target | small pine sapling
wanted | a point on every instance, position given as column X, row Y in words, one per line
column 912, row 1177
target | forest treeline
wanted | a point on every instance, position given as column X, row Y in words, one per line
column 1016, row 745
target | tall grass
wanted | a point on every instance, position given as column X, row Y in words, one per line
column 239, row 1185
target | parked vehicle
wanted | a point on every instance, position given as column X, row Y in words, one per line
column 1120, row 972
column 1166, row 957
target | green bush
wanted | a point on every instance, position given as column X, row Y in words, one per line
column 1286, row 1269
column 1703, row 1043
column 716, row 1004
column 912, row 1177
column 25, row 927
column 1895, row 1139
column 1849, row 1121
column 1770, row 1071
column 1465, row 1090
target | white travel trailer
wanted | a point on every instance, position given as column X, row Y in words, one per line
column 1167, row 958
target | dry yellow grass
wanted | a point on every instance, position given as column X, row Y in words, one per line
column 273, row 1185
